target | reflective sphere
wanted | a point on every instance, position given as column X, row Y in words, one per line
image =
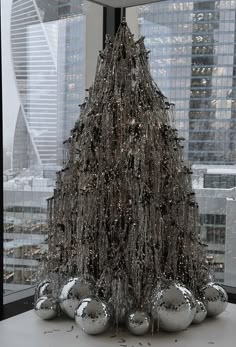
column 215, row 298
column 173, row 306
column 138, row 322
column 93, row 316
column 43, row 289
column 72, row 293
column 46, row 308
column 201, row 312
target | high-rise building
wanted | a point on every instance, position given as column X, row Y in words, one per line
column 45, row 79
column 47, row 49
column 25, row 229
column 215, row 187
column 192, row 59
column 35, row 65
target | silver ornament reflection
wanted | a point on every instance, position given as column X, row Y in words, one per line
column 173, row 306
column 72, row 293
column 46, row 308
column 201, row 312
column 44, row 288
column 215, row 298
column 138, row 322
column 93, row 316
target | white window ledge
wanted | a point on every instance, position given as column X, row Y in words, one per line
column 27, row 330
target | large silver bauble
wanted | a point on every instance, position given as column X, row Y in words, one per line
column 93, row 316
column 46, row 308
column 138, row 322
column 215, row 298
column 44, row 288
column 201, row 312
column 72, row 293
column 173, row 306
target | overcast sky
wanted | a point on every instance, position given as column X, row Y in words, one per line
column 10, row 96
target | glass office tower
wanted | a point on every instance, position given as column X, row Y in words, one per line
column 49, row 65
column 192, row 47
column 193, row 61
column 47, row 57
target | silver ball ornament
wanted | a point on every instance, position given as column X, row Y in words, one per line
column 201, row 312
column 215, row 298
column 46, row 308
column 93, row 316
column 138, row 322
column 173, row 306
column 44, row 288
column 72, row 293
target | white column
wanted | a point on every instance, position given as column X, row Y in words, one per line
column 94, row 39
column 132, row 20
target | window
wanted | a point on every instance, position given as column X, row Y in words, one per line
column 219, row 181
column 192, row 59
column 49, row 61
column 50, row 49
column 213, row 233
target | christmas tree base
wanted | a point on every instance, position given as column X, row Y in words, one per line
column 171, row 308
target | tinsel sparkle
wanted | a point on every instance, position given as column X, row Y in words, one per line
column 123, row 210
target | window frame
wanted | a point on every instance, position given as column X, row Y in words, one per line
column 21, row 301
column 132, row 20
column 1, row 174
column 24, row 300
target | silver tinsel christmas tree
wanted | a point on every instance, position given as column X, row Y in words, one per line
column 123, row 211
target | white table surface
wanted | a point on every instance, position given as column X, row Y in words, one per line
column 27, row 330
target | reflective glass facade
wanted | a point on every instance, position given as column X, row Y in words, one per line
column 49, row 66
column 192, row 59
column 47, row 59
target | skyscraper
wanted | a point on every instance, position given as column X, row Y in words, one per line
column 47, row 50
column 45, row 78
column 192, row 59
column 35, row 65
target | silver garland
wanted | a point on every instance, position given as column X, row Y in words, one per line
column 123, row 209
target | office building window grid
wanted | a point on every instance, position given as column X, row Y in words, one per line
column 193, row 61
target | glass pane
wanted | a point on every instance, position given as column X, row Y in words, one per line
column 44, row 80
column 193, row 61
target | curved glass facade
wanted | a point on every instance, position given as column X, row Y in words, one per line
column 47, row 60
column 45, row 79
column 36, row 76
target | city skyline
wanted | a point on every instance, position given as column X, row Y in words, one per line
column 192, row 60
column 46, row 87
column 45, row 60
